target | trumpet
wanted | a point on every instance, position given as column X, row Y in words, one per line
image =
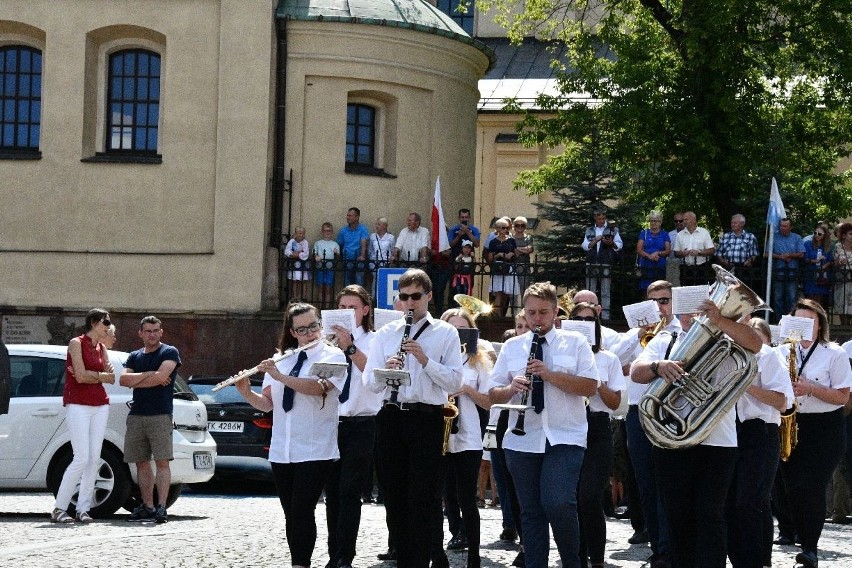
column 649, row 335
column 249, row 372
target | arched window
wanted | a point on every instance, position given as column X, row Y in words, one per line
column 133, row 99
column 20, row 99
column 360, row 135
column 463, row 19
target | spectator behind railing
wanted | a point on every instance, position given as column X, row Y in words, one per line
column 326, row 253
column 843, row 274
column 818, row 260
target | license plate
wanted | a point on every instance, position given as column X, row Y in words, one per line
column 226, row 426
column 203, row 460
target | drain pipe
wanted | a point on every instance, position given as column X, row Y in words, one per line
column 281, row 183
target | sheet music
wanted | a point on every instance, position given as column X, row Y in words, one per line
column 343, row 318
column 688, row 299
column 641, row 314
column 792, row 327
column 587, row 328
column 776, row 334
column 382, row 317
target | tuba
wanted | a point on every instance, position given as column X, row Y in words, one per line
column 683, row 413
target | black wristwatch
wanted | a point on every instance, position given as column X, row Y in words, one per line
column 351, row 350
column 655, row 366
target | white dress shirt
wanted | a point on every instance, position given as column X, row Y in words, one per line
column 828, row 366
column 724, row 434
column 410, row 242
column 362, row 401
column 699, row 239
column 563, row 420
column 609, row 373
column 771, row 375
column 431, row 384
column 308, row 432
column 635, row 391
column 380, row 248
column 469, row 436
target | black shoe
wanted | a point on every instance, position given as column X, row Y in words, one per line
column 458, row 542
column 509, row 535
column 473, row 561
column 639, row 538
column 160, row 515
column 807, row 558
column 783, row 540
column 389, row 555
column 519, row 560
column 440, row 561
column 142, row 514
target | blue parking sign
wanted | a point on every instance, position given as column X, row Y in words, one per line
column 387, row 286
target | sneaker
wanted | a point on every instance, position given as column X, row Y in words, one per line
column 60, row 516
column 84, row 517
column 160, row 515
column 509, row 535
column 142, row 513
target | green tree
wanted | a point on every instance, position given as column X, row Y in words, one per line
column 696, row 104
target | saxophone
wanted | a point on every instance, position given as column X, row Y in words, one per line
column 789, row 430
column 450, row 413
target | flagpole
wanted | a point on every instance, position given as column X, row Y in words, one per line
column 769, row 272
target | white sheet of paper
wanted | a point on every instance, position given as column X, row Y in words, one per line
column 641, row 314
column 343, row 318
column 792, row 327
column 328, row 370
column 687, row 299
column 382, row 317
column 587, row 328
column 776, row 333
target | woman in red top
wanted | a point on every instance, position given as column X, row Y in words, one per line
column 87, row 368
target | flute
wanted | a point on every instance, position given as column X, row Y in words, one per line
column 249, row 372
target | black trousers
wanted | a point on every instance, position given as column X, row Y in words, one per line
column 597, row 465
column 822, row 442
column 299, row 486
column 409, row 444
column 348, row 475
column 694, row 483
column 748, row 512
column 462, row 472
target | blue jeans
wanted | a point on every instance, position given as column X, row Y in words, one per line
column 547, row 491
column 785, row 288
column 353, row 272
column 646, row 478
column 498, row 467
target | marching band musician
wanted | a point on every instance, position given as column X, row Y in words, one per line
column 749, row 514
column 356, row 431
column 464, row 449
column 545, row 462
column 409, row 434
column 304, row 424
column 694, row 481
column 824, row 379
column 598, row 459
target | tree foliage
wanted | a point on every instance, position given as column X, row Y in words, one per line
column 696, row 104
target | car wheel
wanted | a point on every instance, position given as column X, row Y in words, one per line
column 112, row 482
column 135, row 498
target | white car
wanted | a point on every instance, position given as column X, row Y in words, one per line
column 34, row 443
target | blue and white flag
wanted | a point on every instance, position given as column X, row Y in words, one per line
column 776, row 210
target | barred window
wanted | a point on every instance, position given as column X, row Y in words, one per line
column 20, row 99
column 360, row 135
column 134, row 102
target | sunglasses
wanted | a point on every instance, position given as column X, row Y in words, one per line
column 818, row 234
column 678, row 220
column 583, row 318
column 106, row 322
column 661, row 301
column 415, row 296
column 308, row 328
column 520, row 225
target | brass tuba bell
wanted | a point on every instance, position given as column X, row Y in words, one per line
column 473, row 305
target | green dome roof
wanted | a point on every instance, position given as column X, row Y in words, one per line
column 408, row 14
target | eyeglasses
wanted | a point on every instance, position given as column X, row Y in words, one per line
column 661, row 301
column 520, row 225
column 106, row 322
column 414, row 296
column 583, row 318
column 678, row 220
column 818, row 234
column 308, row 328
column 501, row 227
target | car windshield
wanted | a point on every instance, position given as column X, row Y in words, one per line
column 228, row 395
column 182, row 390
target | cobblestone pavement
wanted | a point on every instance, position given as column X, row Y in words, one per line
column 248, row 530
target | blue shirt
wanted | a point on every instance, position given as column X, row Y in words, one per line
column 786, row 245
column 152, row 401
column 350, row 240
column 456, row 250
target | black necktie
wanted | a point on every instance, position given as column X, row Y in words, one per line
column 537, row 383
column 287, row 401
column 344, row 396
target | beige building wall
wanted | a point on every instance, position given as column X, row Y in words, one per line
column 425, row 87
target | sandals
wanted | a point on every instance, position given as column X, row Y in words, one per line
column 60, row 516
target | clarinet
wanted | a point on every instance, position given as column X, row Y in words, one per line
column 518, row 430
column 409, row 319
